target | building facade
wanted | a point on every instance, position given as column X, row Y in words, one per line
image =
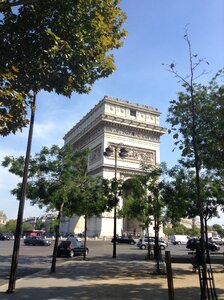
column 116, row 123
column 3, row 218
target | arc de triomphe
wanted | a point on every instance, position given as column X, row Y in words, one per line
column 113, row 122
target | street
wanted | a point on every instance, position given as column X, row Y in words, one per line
column 35, row 258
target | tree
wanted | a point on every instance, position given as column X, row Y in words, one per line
column 10, row 3
column 178, row 228
column 213, row 126
column 143, row 200
column 58, row 180
column 55, row 46
column 13, row 114
column 10, row 226
column 187, row 123
column 219, row 229
column 92, row 199
column 27, row 226
column 180, row 194
column 39, row 225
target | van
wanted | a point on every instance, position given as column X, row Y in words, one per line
column 179, row 239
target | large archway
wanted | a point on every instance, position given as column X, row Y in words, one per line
column 132, row 225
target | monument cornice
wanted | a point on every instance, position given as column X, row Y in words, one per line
column 116, row 102
column 128, row 104
column 118, row 126
column 133, row 124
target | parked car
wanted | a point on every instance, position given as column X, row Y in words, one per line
column 71, row 248
column 124, row 240
column 143, row 243
column 4, row 236
column 216, row 240
column 194, row 244
column 73, row 237
column 36, row 241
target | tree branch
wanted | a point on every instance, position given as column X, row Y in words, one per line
column 4, row 4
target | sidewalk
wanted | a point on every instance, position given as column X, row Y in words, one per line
column 110, row 279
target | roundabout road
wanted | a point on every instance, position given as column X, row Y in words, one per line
column 35, row 258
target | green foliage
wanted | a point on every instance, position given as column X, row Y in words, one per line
column 91, row 199
column 9, row 227
column 199, row 121
column 58, row 179
column 187, row 117
column 39, row 224
column 5, row 4
column 27, row 226
column 12, row 113
column 219, row 229
column 135, row 199
column 54, row 45
column 178, row 228
column 180, row 193
column 194, row 231
column 142, row 195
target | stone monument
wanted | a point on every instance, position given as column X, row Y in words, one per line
column 115, row 123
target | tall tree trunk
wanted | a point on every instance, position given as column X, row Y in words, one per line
column 148, row 244
column 198, row 187
column 156, row 250
column 15, row 254
column 57, row 233
column 197, row 167
column 85, row 230
column 206, row 243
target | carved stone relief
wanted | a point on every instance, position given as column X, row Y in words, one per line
column 88, row 138
column 95, row 154
column 152, row 136
column 138, row 154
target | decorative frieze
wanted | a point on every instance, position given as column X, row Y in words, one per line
column 95, row 154
column 88, row 138
column 133, row 132
column 137, row 154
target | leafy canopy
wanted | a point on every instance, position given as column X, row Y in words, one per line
column 143, row 195
column 61, row 45
column 199, row 121
column 55, row 45
column 13, row 104
column 58, row 180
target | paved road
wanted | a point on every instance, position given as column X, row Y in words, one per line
column 34, row 258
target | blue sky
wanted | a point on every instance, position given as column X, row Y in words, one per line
column 155, row 36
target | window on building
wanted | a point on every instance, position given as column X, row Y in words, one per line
column 133, row 112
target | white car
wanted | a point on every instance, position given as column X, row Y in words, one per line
column 73, row 237
column 216, row 240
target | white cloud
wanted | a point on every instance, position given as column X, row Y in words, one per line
column 44, row 130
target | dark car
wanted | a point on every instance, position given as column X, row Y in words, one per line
column 194, row 244
column 36, row 241
column 71, row 248
column 4, row 236
column 124, row 240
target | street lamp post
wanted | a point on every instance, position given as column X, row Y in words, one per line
column 122, row 153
